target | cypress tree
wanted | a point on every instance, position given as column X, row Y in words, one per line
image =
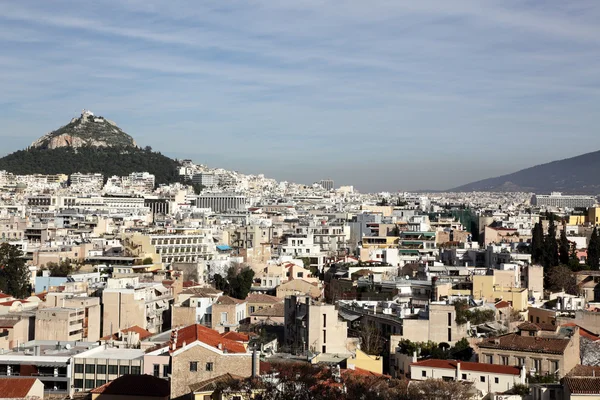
column 551, row 245
column 564, row 247
column 593, row 251
column 14, row 275
column 537, row 243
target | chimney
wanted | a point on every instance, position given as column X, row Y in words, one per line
column 36, row 351
column 255, row 363
column 220, row 346
column 414, row 357
column 174, row 339
column 458, row 372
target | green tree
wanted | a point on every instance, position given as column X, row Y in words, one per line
column 561, row 278
column 550, row 258
column 14, row 275
column 147, row 261
column 593, row 251
column 62, row 269
column 537, row 243
column 564, row 248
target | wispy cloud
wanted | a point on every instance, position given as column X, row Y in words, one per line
column 308, row 89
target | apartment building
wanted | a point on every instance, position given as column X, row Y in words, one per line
column 192, row 246
column 557, row 199
column 539, row 352
column 313, row 327
column 102, row 364
column 91, row 314
column 16, row 329
column 127, row 302
column 486, row 378
column 63, row 323
column 501, row 285
column 227, row 312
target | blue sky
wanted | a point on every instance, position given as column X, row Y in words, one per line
column 385, row 95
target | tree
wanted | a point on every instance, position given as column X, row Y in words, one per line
column 236, row 283
column 62, row 269
column 147, row 261
column 550, row 258
column 14, row 275
column 438, row 389
column 462, row 350
column 561, row 278
column 198, row 188
column 564, row 247
column 537, row 243
column 371, row 342
column 593, row 251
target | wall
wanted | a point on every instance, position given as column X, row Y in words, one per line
column 366, row 362
column 182, row 377
column 183, row 316
column 121, row 311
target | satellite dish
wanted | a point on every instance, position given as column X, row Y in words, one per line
column 67, row 346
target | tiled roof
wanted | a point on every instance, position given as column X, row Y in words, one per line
column 137, row 329
column 135, row 385
column 583, row 332
column 235, row 336
column 15, row 387
column 228, row 300
column 584, row 370
column 262, row 298
column 188, row 284
column 502, row 304
column 532, row 344
column 277, row 310
column 197, row 332
column 363, row 372
column 4, row 296
column 202, row 291
column 8, row 322
column 211, row 385
column 582, row 385
column 537, row 326
column 469, row 366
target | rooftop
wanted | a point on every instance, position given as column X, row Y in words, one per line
column 532, row 344
column 207, row 336
column 469, row 366
column 135, row 385
column 15, row 387
column 582, row 385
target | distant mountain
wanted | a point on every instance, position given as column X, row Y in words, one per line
column 89, row 144
column 579, row 174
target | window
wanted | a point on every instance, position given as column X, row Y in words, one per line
column 79, row 368
column 101, row 369
column 223, row 317
column 252, row 309
column 490, row 359
column 166, row 371
column 424, row 374
column 100, row 382
column 504, row 360
column 324, row 320
column 464, row 376
column 449, row 319
column 90, row 368
column 79, row 383
column 124, row 370
column 537, row 364
column 324, row 349
column 136, row 370
column 449, row 334
column 496, row 380
column 553, row 366
column 193, row 366
column 112, row 369
column 520, row 361
column 210, row 366
column 156, row 370
column 300, row 274
column 324, row 336
column 482, row 379
column 537, row 320
column 89, row 384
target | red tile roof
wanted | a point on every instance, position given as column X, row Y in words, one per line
column 235, row 336
column 537, row 326
column 188, row 284
column 228, row 300
column 582, row 385
column 15, row 387
column 135, row 385
column 469, row 366
column 532, row 344
column 4, row 296
column 197, row 332
column 137, row 329
column 502, row 304
column 262, row 298
column 584, row 370
column 583, row 332
column 363, row 372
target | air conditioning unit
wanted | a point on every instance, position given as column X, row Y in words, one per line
column 532, row 370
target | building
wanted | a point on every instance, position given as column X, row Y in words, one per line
column 313, row 327
column 128, row 302
column 487, row 378
column 134, row 387
column 539, row 352
column 227, row 312
column 327, row 184
column 199, row 353
column 68, row 323
column 222, row 202
column 205, row 179
column 558, row 200
column 16, row 329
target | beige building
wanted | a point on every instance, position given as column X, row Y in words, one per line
column 314, row 327
column 500, row 286
column 298, row 287
column 227, row 313
column 16, row 329
column 538, row 351
column 76, row 319
column 199, row 353
column 128, row 302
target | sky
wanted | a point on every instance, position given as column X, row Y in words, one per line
column 383, row 95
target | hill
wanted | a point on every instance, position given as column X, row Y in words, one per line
column 580, row 174
column 89, row 144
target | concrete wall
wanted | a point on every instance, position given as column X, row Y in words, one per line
column 183, row 316
column 121, row 311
